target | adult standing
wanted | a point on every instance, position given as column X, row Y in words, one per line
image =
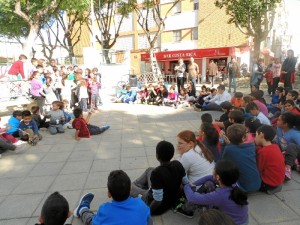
column 212, row 71
column 288, row 69
column 193, row 70
column 233, row 73
column 180, row 69
column 257, row 73
column 276, row 70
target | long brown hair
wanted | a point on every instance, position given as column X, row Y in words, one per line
column 188, row 136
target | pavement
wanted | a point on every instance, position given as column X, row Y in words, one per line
column 59, row 163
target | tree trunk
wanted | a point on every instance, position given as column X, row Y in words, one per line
column 70, row 50
column 257, row 42
column 154, row 65
column 106, row 56
column 28, row 45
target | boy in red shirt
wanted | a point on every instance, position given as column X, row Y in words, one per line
column 237, row 99
column 270, row 161
column 82, row 126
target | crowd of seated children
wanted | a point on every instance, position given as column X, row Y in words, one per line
column 205, row 99
column 205, row 91
column 253, row 109
column 222, row 96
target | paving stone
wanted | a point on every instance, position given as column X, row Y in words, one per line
column 18, row 170
column 55, row 157
column 63, row 147
column 69, row 182
column 132, row 152
column 172, row 218
column 96, row 180
column 22, row 221
column 83, row 155
column 8, row 185
column 109, row 153
column 105, row 165
column 19, row 206
column 77, row 167
column 134, row 163
column 30, row 158
column 269, row 209
column 44, row 169
column 291, row 199
column 33, row 185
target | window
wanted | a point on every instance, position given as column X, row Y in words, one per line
column 195, row 33
column 177, row 35
column 196, row 5
column 177, row 8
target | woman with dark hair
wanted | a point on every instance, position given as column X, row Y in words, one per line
column 215, row 217
column 288, row 69
column 228, row 197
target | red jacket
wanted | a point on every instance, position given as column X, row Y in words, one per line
column 17, row 68
column 270, row 164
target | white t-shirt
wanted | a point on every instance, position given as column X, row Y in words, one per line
column 195, row 165
column 263, row 119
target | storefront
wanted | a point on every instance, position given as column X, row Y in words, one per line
column 221, row 57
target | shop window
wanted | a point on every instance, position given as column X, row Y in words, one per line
column 195, row 33
column 177, row 8
column 177, row 35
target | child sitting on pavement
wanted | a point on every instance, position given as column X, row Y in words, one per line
column 228, row 197
column 160, row 187
column 55, row 210
column 82, row 126
column 28, row 129
column 57, row 118
column 41, row 123
column 122, row 210
column 14, row 122
column 244, row 156
column 253, row 109
column 270, row 160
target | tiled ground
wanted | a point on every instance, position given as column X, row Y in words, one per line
column 59, row 163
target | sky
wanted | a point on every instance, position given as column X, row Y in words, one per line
column 293, row 13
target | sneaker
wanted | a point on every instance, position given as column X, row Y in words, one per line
column 106, row 127
column 84, row 203
column 187, row 214
column 288, row 174
column 19, row 142
column 34, row 141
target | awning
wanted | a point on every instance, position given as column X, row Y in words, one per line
column 195, row 53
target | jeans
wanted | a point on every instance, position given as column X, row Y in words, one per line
column 94, row 130
column 292, row 153
column 54, row 129
column 180, row 83
column 94, row 100
column 275, row 84
column 193, row 79
column 212, row 107
column 86, row 216
column 83, row 104
column 231, row 78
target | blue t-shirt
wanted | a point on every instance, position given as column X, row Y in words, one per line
column 32, row 125
column 283, row 139
column 132, row 211
column 244, row 157
column 14, row 123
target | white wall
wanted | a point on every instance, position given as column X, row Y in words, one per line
column 182, row 20
column 179, row 45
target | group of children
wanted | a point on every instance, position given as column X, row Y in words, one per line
column 71, row 85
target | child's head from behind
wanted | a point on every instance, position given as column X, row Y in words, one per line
column 215, row 217
column 164, row 151
column 35, row 109
column 206, row 118
column 226, row 106
column 236, row 134
column 264, row 134
column 118, row 185
column 226, row 172
column 252, row 124
column 55, row 210
column 209, row 133
column 236, row 116
column 17, row 114
column 77, row 113
column 252, row 108
column 26, row 116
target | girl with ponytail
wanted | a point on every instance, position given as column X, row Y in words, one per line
column 228, row 197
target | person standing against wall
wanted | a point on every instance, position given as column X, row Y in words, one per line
column 212, row 71
column 233, row 73
column 180, row 69
column 193, row 70
column 288, row 69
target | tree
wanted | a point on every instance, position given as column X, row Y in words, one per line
column 254, row 18
column 109, row 15
column 72, row 15
column 151, row 10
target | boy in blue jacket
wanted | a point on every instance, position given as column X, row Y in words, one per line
column 14, row 122
column 28, row 130
column 122, row 210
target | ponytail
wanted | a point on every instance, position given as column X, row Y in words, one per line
column 238, row 196
column 205, row 152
